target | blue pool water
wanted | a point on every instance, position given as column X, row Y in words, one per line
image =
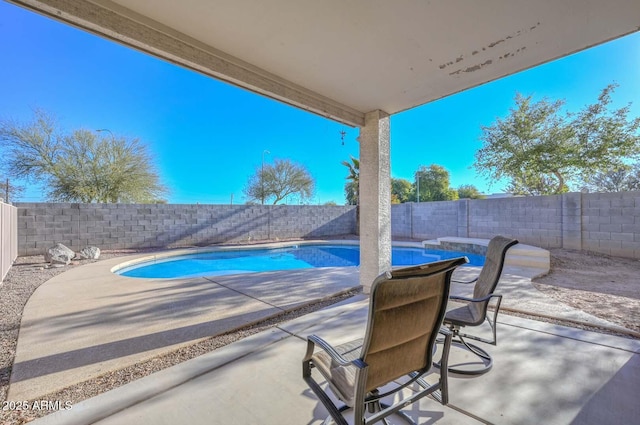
column 294, row 257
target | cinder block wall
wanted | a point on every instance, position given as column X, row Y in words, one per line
column 434, row 218
column 611, row 223
column 607, row 223
column 535, row 220
column 401, row 220
column 425, row 220
column 118, row 226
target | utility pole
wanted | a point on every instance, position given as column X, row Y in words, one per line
column 262, row 178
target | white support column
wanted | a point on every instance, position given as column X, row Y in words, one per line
column 375, row 198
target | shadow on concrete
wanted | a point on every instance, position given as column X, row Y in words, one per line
column 551, row 377
column 617, row 400
column 112, row 350
column 165, row 300
column 171, row 301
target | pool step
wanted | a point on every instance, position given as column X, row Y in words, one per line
column 520, row 255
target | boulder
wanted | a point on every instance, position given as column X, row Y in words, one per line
column 58, row 262
column 59, row 255
column 58, row 259
column 89, row 253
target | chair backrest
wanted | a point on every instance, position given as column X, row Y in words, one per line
column 493, row 265
column 491, row 271
column 406, row 311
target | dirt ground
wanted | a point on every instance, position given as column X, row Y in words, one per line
column 607, row 287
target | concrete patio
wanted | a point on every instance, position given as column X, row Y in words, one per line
column 543, row 373
column 89, row 321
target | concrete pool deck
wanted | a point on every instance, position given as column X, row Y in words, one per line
column 88, row 321
column 542, row 374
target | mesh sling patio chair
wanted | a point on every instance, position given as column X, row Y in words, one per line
column 474, row 310
column 406, row 310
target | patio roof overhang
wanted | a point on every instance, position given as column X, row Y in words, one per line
column 342, row 59
column 354, row 61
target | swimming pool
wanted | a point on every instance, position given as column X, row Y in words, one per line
column 254, row 260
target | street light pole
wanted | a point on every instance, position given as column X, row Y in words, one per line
column 107, row 130
column 262, row 177
column 418, row 186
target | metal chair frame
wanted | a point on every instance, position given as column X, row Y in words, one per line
column 364, row 399
column 498, row 247
column 371, row 401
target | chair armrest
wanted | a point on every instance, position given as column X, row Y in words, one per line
column 466, row 282
column 445, row 331
column 313, row 340
column 473, row 300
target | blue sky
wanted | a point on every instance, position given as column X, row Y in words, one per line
column 207, row 137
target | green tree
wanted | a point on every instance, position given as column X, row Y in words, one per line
column 352, row 187
column 276, row 181
column 79, row 166
column 351, row 193
column 541, row 150
column 434, row 184
column 400, row 188
column 400, row 191
column 469, row 191
column 619, row 179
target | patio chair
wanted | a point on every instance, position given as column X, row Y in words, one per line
column 474, row 311
column 406, row 310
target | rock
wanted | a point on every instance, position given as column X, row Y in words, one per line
column 59, row 255
column 59, row 260
column 89, row 253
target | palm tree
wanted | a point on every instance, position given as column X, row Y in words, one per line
column 352, row 188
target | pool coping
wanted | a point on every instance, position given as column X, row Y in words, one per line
column 178, row 252
column 533, row 261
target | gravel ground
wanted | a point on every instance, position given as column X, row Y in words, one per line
column 601, row 285
column 29, row 272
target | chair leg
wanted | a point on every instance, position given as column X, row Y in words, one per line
column 474, row 349
column 373, row 407
column 478, row 352
column 403, row 415
column 378, row 406
column 329, row 420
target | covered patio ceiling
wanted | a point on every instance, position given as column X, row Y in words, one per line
column 342, row 59
column 354, row 61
